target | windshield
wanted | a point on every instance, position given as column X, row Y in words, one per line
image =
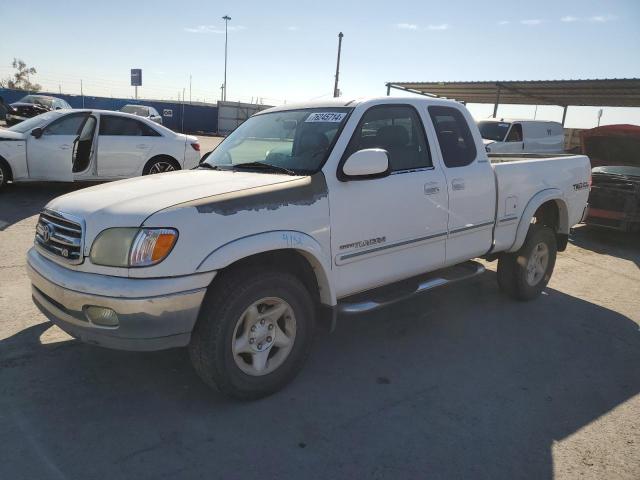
column 495, row 131
column 34, row 122
column 37, row 99
column 136, row 110
column 298, row 140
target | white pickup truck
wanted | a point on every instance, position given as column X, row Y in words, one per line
column 304, row 212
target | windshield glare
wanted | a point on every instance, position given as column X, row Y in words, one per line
column 34, row 122
column 298, row 140
column 495, row 131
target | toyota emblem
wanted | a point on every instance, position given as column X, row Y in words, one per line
column 46, row 233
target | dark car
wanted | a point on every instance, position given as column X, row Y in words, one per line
column 614, row 201
column 32, row 105
column 143, row 111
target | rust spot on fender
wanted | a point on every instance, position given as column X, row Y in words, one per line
column 303, row 191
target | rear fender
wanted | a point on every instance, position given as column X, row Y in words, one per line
column 536, row 201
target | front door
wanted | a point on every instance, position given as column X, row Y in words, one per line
column 123, row 146
column 471, row 184
column 83, row 151
column 514, row 141
column 387, row 229
column 50, row 156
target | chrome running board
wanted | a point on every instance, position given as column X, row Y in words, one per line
column 389, row 294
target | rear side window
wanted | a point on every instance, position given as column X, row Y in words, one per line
column 396, row 129
column 122, row 126
column 456, row 142
column 67, row 125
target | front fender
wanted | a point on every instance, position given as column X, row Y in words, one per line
column 536, row 201
column 306, row 245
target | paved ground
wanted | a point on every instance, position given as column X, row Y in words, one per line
column 208, row 143
column 461, row 383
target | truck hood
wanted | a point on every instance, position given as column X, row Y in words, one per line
column 129, row 202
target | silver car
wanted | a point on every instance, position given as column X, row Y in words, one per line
column 143, row 111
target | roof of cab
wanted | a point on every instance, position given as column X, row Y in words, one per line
column 511, row 120
column 353, row 102
column 333, row 103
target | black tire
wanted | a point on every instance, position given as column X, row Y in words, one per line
column 5, row 175
column 231, row 294
column 512, row 267
column 160, row 162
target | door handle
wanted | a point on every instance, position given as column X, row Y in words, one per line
column 431, row 188
column 142, row 146
column 65, row 147
column 457, row 184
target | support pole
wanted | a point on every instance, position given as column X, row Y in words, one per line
column 564, row 114
column 336, row 92
column 495, row 106
column 226, row 19
column 388, row 89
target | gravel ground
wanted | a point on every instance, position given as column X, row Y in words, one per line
column 459, row 383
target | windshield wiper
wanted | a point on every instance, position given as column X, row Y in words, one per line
column 264, row 166
column 206, row 165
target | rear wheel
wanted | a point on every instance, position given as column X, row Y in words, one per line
column 253, row 333
column 524, row 274
column 160, row 165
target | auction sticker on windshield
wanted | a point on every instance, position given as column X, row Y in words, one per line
column 332, row 117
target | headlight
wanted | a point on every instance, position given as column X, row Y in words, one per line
column 132, row 247
column 151, row 246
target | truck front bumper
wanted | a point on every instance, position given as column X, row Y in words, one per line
column 152, row 314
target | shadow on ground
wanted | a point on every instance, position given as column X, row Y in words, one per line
column 461, row 383
column 607, row 241
column 20, row 201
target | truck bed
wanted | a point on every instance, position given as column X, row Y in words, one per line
column 519, row 177
column 516, row 157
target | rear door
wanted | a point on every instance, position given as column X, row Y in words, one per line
column 124, row 145
column 50, row 157
column 471, row 184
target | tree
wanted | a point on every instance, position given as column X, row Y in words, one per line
column 20, row 79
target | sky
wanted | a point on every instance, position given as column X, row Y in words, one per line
column 285, row 51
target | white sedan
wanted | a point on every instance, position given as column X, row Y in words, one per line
column 86, row 145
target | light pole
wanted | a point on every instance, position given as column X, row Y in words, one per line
column 226, row 19
column 336, row 91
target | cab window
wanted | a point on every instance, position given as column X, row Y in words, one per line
column 396, row 129
column 111, row 125
column 67, row 125
column 515, row 134
column 455, row 139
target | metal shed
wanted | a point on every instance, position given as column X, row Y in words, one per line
column 616, row 92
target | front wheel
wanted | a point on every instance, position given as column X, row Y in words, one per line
column 524, row 274
column 4, row 176
column 253, row 333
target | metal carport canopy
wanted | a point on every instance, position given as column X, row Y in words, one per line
column 616, row 92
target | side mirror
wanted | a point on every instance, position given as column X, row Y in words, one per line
column 366, row 164
column 37, row 132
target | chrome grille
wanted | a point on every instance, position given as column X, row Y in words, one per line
column 60, row 235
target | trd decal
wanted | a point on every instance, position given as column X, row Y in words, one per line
column 364, row 243
column 580, row 186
